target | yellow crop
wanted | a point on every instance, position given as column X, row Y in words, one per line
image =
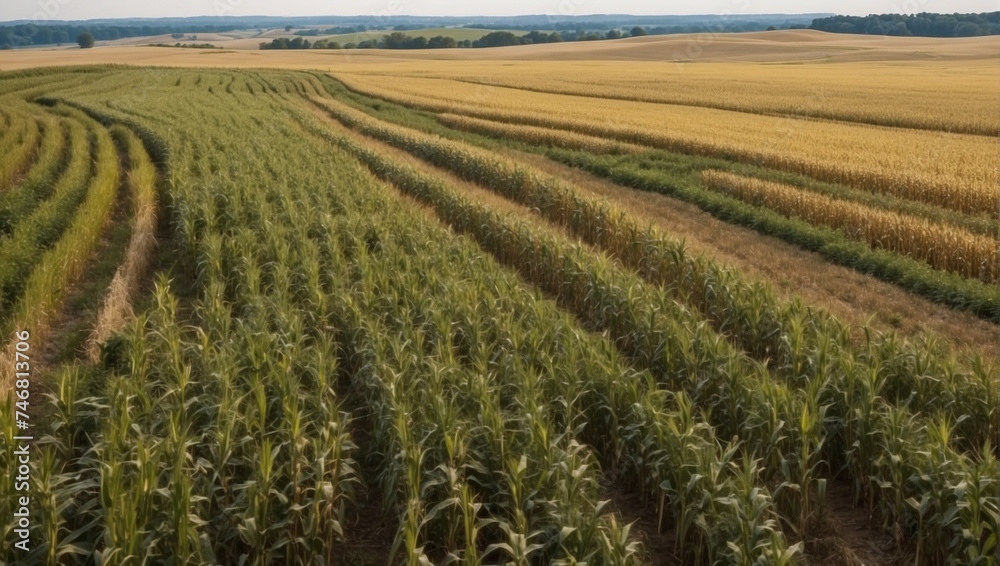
column 956, row 171
column 943, row 247
column 537, row 135
column 929, row 95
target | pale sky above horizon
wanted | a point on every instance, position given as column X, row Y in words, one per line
column 89, row 9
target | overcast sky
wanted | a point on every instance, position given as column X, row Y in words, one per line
column 86, row 9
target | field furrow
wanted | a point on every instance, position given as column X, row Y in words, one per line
column 677, row 175
column 116, row 307
column 851, row 296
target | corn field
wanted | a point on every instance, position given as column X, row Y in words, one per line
column 299, row 327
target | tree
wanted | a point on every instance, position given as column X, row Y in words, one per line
column 967, row 29
column 497, row 39
column 288, row 28
column 637, row 31
column 85, row 39
column 535, row 36
column 395, row 40
column 441, row 42
column 613, row 34
column 770, row 28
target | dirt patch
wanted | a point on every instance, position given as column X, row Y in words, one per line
column 846, row 536
column 369, row 536
column 630, row 508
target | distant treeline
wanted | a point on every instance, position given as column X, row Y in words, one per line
column 574, row 29
column 399, row 40
column 722, row 25
column 336, row 30
column 32, row 34
column 923, row 24
column 300, row 43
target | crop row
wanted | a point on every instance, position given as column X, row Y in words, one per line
column 625, row 418
column 942, row 247
column 42, row 218
column 49, row 259
column 790, row 337
column 538, row 135
column 18, row 201
column 913, row 275
column 817, row 423
column 671, row 175
column 18, row 144
column 116, row 307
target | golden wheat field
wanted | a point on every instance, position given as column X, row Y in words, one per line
column 713, row 299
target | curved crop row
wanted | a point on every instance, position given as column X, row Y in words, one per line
column 823, row 420
column 542, row 137
column 915, row 276
column 53, row 270
column 792, row 338
column 18, row 145
column 53, row 155
column 42, row 225
column 116, row 307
